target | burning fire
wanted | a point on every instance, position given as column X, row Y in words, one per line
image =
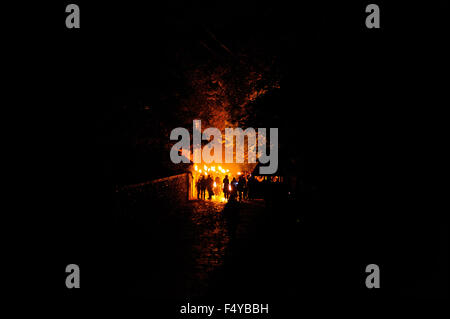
column 214, row 176
column 218, row 174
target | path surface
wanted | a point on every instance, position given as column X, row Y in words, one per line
column 215, row 244
column 196, row 251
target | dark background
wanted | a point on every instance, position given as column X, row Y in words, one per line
column 368, row 114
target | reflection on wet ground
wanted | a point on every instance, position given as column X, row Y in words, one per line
column 184, row 252
column 210, row 239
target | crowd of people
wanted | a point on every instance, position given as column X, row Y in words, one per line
column 237, row 189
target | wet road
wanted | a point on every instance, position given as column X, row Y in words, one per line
column 267, row 253
column 189, row 252
column 215, row 236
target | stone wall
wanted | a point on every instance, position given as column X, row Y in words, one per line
column 173, row 189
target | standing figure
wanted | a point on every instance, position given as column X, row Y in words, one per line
column 197, row 187
column 245, row 195
column 226, row 185
column 202, row 187
column 233, row 193
column 209, row 186
column 234, row 185
column 241, row 186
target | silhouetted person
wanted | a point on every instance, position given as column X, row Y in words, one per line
column 231, row 213
column 233, row 186
column 226, row 184
column 209, row 186
column 197, row 186
column 245, row 188
column 202, row 187
column 241, row 186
